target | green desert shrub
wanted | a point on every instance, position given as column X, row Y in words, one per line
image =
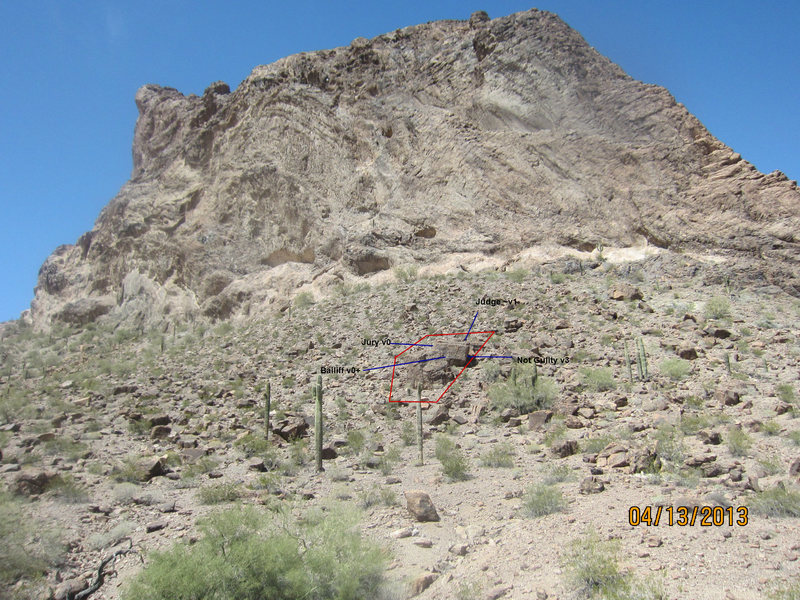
column 599, row 380
column 776, row 502
column 130, row 469
column 789, row 590
column 67, row 489
column 523, row 391
column 595, row 444
column 669, row 444
column 454, row 462
column 217, row 494
column 249, row 554
column 408, row 433
column 304, row 299
column 390, row 457
column 738, row 441
column 541, row 499
column 356, row 440
column 500, row 455
column 591, row 568
column 203, row 465
column 690, row 423
column 557, row 473
column 406, row 274
column 98, row 541
column 772, row 465
column 517, row 275
column 256, row 445
column 786, row 393
column 556, row 431
column 676, row 368
column 718, row 308
column 27, row 548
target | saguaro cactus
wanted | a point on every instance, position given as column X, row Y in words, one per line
column 628, row 363
column 318, row 422
column 267, row 410
column 419, row 423
column 641, row 363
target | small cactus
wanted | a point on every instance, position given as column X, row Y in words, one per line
column 318, row 422
column 267, row 410
column 419, row 424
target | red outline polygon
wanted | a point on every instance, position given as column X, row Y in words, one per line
column 468, row 333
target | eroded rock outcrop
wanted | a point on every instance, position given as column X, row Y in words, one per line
column 450, row 138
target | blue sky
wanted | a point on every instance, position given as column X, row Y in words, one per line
column 71, row 71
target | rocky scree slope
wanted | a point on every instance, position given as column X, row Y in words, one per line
column 464, row 139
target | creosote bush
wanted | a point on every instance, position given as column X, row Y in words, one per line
column 676, row 368
column 542, row 499
column 217, row 494
column 718, row 308
column 523, row 390
column 500, row 455
column 454, row 462
column 738, row 441
column 591, row 567
column 249, row 554
column 777, row 502
column 27, row 549
column 599, row 380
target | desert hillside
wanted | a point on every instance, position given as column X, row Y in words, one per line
column 461, row 312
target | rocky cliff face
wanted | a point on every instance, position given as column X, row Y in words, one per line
column 452, row 141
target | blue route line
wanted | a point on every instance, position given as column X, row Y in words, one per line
column 400, row 364
column 400, row 344
column 485, row 356
column 473, row 323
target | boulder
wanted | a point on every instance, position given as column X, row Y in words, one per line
column 539, row 418
column 32, row 483
column 709, row 437
column 645, row 460
column 291, row 428
column 591, row 485
column 67, row 589
column 419, row 504
column 154, row 466
column 422, row 583
column 162, row 419
column 256, row 464
column 699, row 459
column 564, row 448
column 85, row 310
column 442, row 415
column 508, row 413
column 153, row 526
column 727, row 396
column 625, row 291
column 329, row 452
column 160, row 432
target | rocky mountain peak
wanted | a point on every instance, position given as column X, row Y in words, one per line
column 445, row 145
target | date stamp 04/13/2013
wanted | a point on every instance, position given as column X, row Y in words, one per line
column 688, row 516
